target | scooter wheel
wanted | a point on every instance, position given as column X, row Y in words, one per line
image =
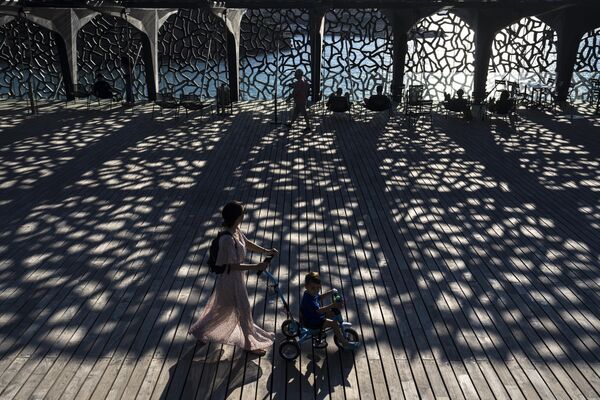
column 289, row 350
column 350, row 334
column 290, row 328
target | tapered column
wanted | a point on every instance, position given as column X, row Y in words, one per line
column 566, row 58
column 399, row 51
column 233, row 20
column 570, row 25
column 484, row 37
column 316, row 27
column 402, row 21
column 149, row 21
column 68, row 70
column 64, row 23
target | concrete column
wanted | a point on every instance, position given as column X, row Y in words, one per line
column 399, row 51
column 316, row 30
column 402, row 21
column 149, row 22
column 485, row 23
column 570, row 24
column 566, row 57
column 484, row 36
column 64, row 23
column 233, row 19
column 69, row 72
column 148, row 19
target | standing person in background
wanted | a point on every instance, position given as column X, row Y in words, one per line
column 300, row 94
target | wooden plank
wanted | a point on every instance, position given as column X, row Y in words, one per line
column 163, row 378
column 462, row 297
column 31, row 383
column 274, row 311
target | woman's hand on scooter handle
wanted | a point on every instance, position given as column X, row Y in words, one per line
column 272, row 252
column 261, row 266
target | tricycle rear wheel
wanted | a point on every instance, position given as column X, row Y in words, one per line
column 289, row 350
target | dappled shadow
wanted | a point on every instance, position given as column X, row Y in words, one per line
column 499, row 264
column 450, row 241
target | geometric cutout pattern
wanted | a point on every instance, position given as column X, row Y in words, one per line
column 523, row 52
column 440, row 55
column 15, row 65
column 357, row 52
column 101, row 46
column 263, row 32
column 587, row 66
column 192, row 53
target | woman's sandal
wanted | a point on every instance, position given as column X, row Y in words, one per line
column 258, row 352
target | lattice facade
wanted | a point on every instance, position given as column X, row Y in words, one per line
column 101, row 46
column 192, row 53
column 440, row 55
column 524, row 52
column 357, row 52
column 261, row 32
column 15, row 65
column 587, row 66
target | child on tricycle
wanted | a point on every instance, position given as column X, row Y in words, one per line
column 315, row 316
column 315, row 321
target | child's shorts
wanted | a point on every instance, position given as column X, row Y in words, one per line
column 313, row 326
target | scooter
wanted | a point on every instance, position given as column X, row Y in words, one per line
column 296, row 333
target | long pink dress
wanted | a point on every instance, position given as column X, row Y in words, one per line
column 227, row 317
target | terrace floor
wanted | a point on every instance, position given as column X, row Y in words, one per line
column 468, row 253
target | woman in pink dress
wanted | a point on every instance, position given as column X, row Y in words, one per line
column 227, row 317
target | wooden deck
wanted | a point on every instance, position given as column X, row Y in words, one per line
column 468, row 253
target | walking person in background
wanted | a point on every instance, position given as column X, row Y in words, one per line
column 227, row 316
column 300, row 94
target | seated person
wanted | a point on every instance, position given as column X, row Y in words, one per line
column 379, row 101
column 458, row 103
column 314, row 315
column 102, row 89
column 503, row 105
column 338, row 102
column 223, row 97
column 337, row 93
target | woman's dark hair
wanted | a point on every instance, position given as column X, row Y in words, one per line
column 231, row 212
column 312, row 277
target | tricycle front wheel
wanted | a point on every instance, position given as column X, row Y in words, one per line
column 290, row 328
column 350, row 334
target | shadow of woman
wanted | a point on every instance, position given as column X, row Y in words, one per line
column 210, row 372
